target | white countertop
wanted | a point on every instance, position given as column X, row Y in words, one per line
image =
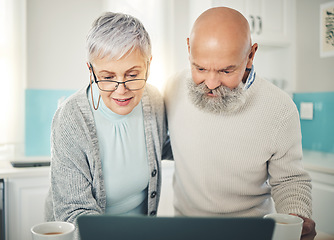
column 315, row 161
column 319, row 161
column 8, row 171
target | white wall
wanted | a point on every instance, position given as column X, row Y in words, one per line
column 56, row 36
column 314, row 74
column 56, row 33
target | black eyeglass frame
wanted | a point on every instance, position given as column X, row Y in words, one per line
column 118, row 83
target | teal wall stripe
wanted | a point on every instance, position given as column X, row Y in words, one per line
column 40, row 106
column 318, row 134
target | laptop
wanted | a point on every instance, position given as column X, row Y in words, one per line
column 109, row 227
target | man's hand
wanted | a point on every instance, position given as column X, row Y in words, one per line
column 308, row 232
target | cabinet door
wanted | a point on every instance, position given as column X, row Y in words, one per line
column 323, row 212
column 254, row 17
column 268, row 19
column 273, row 17
column 25, row 205
column 323, row 199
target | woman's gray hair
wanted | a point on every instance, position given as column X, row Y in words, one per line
column 116, row 35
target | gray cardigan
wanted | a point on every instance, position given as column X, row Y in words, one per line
column 77, row 185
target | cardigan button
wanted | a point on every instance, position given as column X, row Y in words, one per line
column 153, row 213
column 153, row 194
column 154, row 173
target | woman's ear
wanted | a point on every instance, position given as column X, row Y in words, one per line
column 148, row 71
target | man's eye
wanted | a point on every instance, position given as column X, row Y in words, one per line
column 201, row 69
column 225, row 71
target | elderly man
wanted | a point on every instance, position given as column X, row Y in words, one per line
column 235, row 137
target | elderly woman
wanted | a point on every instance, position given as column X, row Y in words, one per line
column 107, row 138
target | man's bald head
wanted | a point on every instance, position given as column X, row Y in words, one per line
column 221, row 27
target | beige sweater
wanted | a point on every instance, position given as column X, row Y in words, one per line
column 223, row 162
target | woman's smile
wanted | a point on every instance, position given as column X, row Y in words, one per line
column 122, row 101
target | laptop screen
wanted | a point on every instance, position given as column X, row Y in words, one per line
column 103, row 227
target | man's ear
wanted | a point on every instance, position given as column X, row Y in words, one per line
column 253, row 51
column 252, row 55
column 188, row 45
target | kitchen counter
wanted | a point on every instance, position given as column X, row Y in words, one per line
column 321, row 168
column 8, row 171
column 319, row 161
column 323, row 236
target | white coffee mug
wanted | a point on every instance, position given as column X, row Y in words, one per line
column 287, row 227
column 53, row 230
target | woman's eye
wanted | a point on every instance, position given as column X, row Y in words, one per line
column 132, row 75
column 108, row 78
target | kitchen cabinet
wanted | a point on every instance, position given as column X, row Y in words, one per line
column 320, row 166
column 269, row 20
column 2, row 213
column 24, row 196
column 323, row 199
column 25, row 199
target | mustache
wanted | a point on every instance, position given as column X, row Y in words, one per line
column 221, row 91
column 225, row 100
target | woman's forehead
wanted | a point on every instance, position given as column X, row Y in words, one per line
column 133, row 60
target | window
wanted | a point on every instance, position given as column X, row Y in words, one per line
column 12, row 73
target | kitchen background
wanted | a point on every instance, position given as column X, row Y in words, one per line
column 43, row 61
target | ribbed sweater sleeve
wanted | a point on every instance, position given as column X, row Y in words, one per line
column 291, row 185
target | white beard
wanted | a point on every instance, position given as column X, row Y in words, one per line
column 226, row 100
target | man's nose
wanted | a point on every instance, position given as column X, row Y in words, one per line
column 212, row 80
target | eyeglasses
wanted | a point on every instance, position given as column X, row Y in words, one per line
column 110, row 86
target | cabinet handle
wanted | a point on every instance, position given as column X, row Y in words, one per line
column 252, row 23
column 260, row 25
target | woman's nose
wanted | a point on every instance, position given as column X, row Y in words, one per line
column 121, row 89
